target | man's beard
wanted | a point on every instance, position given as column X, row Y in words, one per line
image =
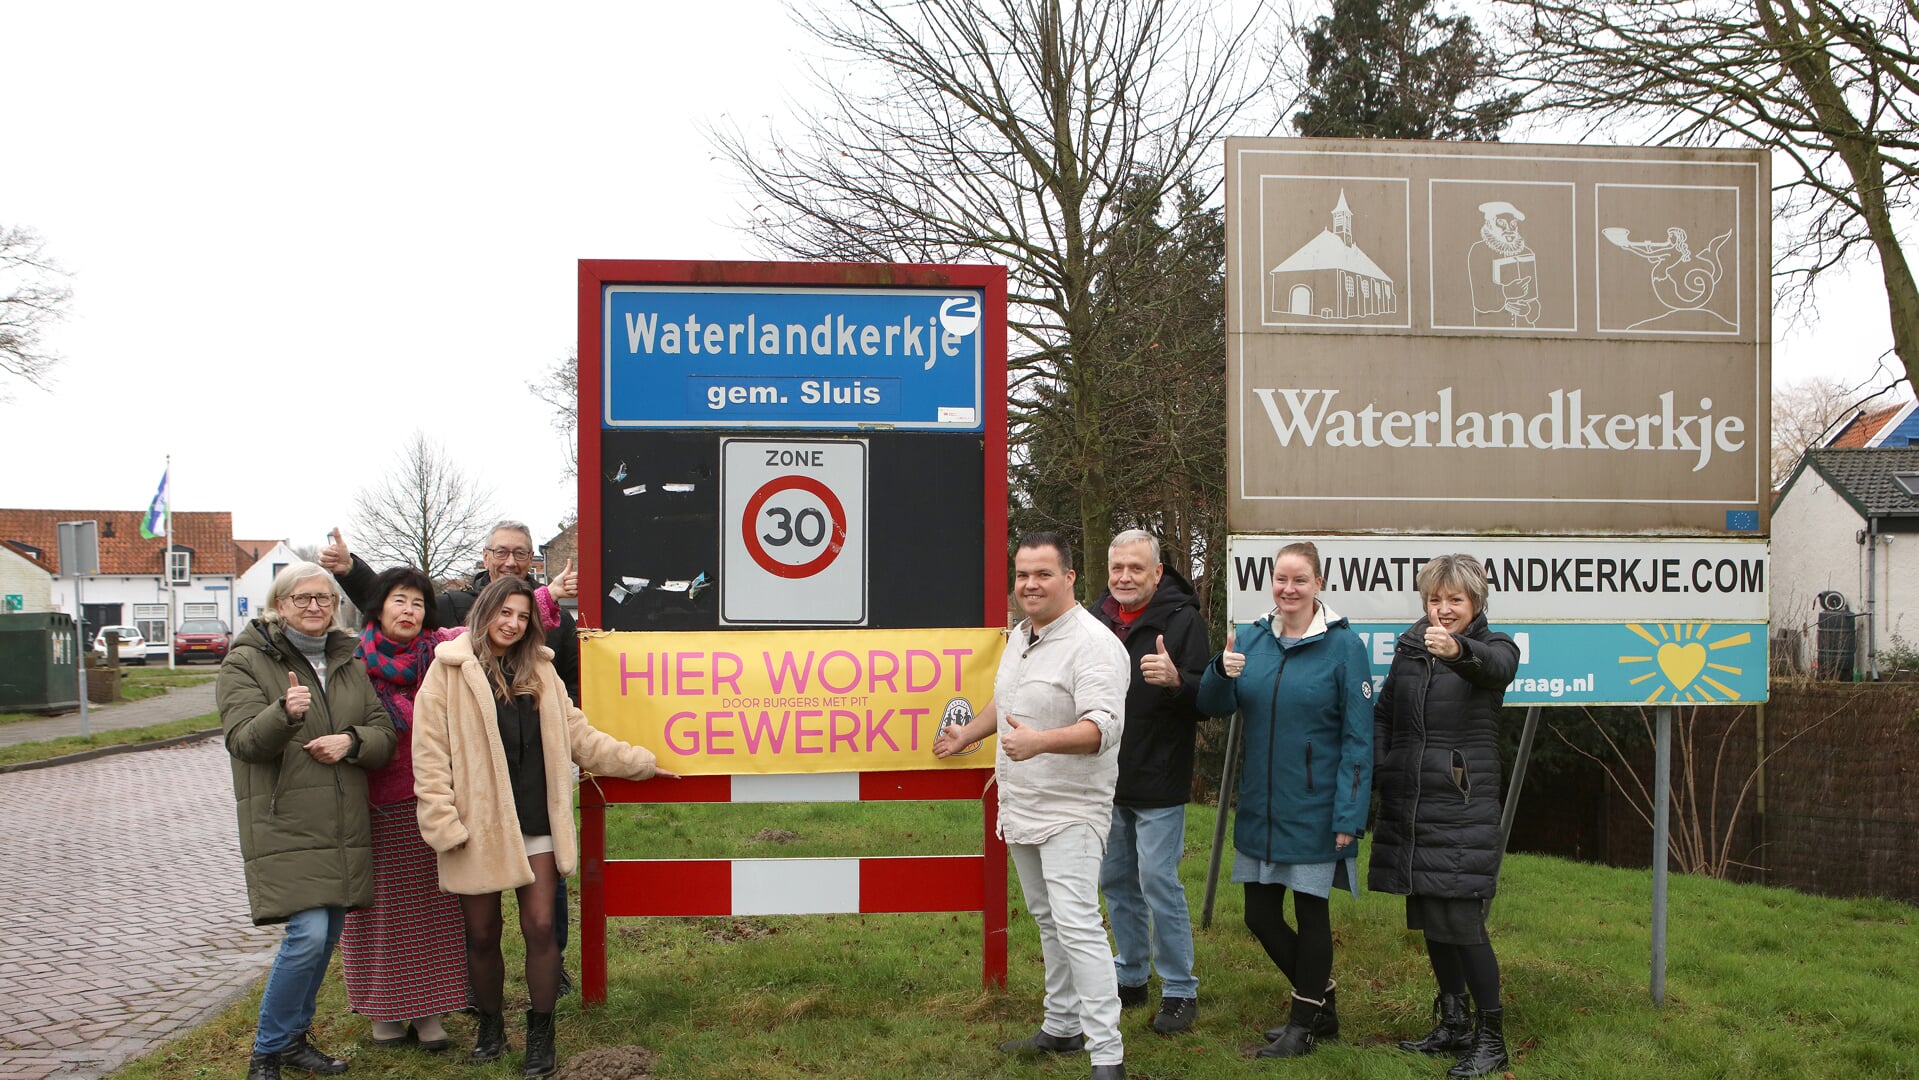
column 1505, row 243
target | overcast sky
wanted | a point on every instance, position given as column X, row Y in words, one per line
column 298, row 233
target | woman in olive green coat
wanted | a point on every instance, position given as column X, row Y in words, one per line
column 302, row 725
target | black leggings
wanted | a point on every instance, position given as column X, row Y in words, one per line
column 1304, row 956
column 486, row 968
column 1466, row 968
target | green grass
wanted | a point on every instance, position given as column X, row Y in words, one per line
column 138, row 684
column 1762, row 982
column 150, row 681
column 19, row 753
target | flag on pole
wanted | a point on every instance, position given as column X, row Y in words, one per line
column 155, row 523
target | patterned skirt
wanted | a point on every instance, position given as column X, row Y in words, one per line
column 404, row 957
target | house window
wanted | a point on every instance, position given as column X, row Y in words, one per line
column 277, row 567
column 152, row 621
column 1908, row 482
column 199, row 611
column 180, row 567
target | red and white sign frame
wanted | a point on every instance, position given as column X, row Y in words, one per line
column 721, row 886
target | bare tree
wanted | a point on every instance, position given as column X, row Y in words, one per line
column 1705, row 806
column 1831, row 87
column 1807, row 413
column 559, row 387
column 1007, row 131
column 426, row 512
column 32, row 294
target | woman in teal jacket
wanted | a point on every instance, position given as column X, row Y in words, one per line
column 1305, row 691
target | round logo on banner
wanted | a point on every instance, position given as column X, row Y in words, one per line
column 958, row 713
column 811, row 528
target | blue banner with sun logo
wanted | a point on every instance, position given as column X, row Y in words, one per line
column 1622, row 663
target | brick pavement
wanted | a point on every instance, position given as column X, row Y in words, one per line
column 126, row 920
column 170, row 706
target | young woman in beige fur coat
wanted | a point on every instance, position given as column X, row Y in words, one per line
column 494, row 741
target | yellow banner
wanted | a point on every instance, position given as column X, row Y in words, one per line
column 790, row 701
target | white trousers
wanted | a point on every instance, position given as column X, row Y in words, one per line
column 1060, row 879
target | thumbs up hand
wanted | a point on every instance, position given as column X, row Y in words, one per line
column 1019, row 741
column 566, row 583
column 1157, row 667
column 1230, row 662
column 298, row 698
column 335, row 559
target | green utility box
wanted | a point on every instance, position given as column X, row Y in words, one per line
column 39, row 662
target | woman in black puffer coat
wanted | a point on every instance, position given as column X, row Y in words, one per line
column 1436, row 765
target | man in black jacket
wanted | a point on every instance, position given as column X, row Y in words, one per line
column 1152, row 609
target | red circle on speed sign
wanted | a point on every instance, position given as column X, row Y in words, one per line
column 749, row 526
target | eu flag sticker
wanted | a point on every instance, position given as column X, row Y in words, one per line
column 1742, row 521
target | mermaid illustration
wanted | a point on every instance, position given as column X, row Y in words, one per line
column 1683, row 280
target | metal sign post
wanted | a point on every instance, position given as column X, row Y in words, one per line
column 1226, row 777
column 1661, row 832
column 79, row 546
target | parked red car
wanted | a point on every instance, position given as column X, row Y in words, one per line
column 201, row 639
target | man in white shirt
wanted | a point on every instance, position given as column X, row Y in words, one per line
column 1059, row 703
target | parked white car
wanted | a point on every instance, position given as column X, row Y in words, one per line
column 133, row 647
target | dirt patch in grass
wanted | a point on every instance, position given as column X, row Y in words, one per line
column 610, row 1063
column 775, row 836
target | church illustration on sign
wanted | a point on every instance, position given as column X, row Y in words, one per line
column 1330, row 277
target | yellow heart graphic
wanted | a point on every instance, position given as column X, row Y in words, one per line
column 1682, row 663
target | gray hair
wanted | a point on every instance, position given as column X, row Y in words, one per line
column 1461, row 572
column 509, row 525
column 1135, row 536
column 289, row 579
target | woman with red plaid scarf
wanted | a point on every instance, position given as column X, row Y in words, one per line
column 405, row 957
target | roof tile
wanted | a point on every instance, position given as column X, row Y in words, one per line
column 208, row 533
column 1865, row 477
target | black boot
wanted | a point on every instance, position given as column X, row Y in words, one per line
column 1045, row 1042
column 1328, row 1028
column 1488, row 1053
column 1452, row 1034
column 1298, row 1037
column 263, row 1066
column 541, row 1057
column 491, row 1042
column 302, row 1054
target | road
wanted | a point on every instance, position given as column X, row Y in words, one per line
column 172, row 705
column 126, row 915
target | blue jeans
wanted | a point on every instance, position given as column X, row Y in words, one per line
column 293, row 985
column 1145, row 901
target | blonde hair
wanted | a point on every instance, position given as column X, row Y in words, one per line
column 1459, row 572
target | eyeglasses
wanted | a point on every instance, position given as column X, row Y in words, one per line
column 308, row 599
column 519, row 554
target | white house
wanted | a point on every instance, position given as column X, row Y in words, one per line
column 132, row 586
column 1847, row 523
column 25, row 585
column 257, row 562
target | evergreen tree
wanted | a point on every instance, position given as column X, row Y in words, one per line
column 1395, row 69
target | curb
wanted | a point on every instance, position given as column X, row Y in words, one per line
column 109, row 751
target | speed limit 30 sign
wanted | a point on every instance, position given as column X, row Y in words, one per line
column 793, row 528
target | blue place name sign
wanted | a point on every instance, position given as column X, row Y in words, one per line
column 719, row 356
